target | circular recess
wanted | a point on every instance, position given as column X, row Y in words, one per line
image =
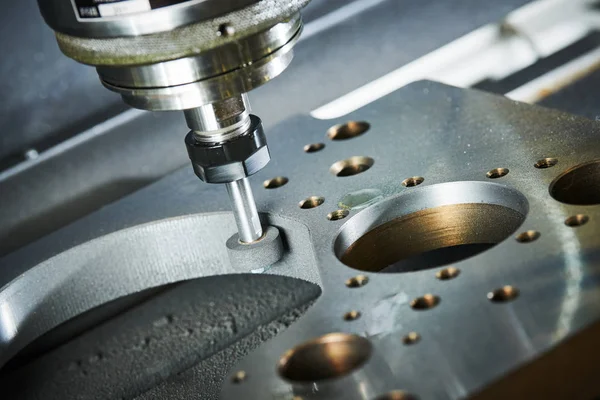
column 311, row 202
column 351, row 166
column 239, row 377
column 314, row 147
column 348, row 130
column 352, row 315
column 546, row 163
column 357, row 281
column 577, row 220
column 578, row 185
column 528, row 236
column 447, row 273
column 275, row 182
column 425, row 302
column 414, row 181
column 504, row 294
column 330, row 356
column 497, row 173
column 337, row 215
column 411, row 338
column 419, row 230
column 397, row 395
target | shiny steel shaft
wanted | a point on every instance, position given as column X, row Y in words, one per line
column 244, row 210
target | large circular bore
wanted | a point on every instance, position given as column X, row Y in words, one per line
column 431, row 226
column 330, row 356
column 579, row 185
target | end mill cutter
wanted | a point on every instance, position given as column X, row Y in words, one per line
column 197, row 56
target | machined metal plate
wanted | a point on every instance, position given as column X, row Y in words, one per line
column 486, row 209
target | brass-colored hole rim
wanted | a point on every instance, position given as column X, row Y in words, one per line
column 578, row 185
column 528, row 236
column 351, row 166
column 349, row 130
column 239, row 377
column 330, row 356
column 314, row 147
column 357, row 281
column 425, row 302
column 544, row 163
column 411, row 338
column 577, row 220
column 311, row 202
column 413, row 181
column 504, row 294
column 497, row 173
column 447, row 273
column 276, row 182
column 352, row 315
column 337, row 215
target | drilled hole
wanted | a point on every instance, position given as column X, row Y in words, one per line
column 314, row 147
column 411, row 338
column 351, row 166
column 577, row 220
column 226, row 30
column 546, row 163
column 312, row 202
column 239, row 377
column 397, row 395
column 497, row 173
column 357, row 281
column 330, row 356
column 425, row 302
column 352, row 315
column 348, row 130
column 414, row 181
column 504, row 294
column 528, row 236
column 275, row 182
column 447, row 273
column 578, row 185
column 337, row 215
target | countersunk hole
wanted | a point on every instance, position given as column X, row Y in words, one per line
column 226, row 30
column 414, row 181
column 425, row 302
column 330, row 356
column 312, row 202
column 528, row 236
column 397, row 395
column 578, row 185
column 348, row 130
column 577, row 220
column 447, row 273
column 357, row 281
column 352, row 315
column 497, row 173
column 546, row 163
column 314, row 147
column 275, row 182
column 239, row 377
column 351, row 166
column 336, row 215
column 504, row 294
column 411, row 338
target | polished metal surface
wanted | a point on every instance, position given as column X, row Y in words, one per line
column 63, row 16
column 220, row 121
column 244, row 210
column 493, row 312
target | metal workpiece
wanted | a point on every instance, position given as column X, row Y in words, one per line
column 239, row 156
column 258, row 256
column 244, row 211
column 445, row 236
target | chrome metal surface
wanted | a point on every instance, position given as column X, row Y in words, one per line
column 211, row 89
column 63, row 16
column 506, row 306
column 244, row 210
column 220, row 121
